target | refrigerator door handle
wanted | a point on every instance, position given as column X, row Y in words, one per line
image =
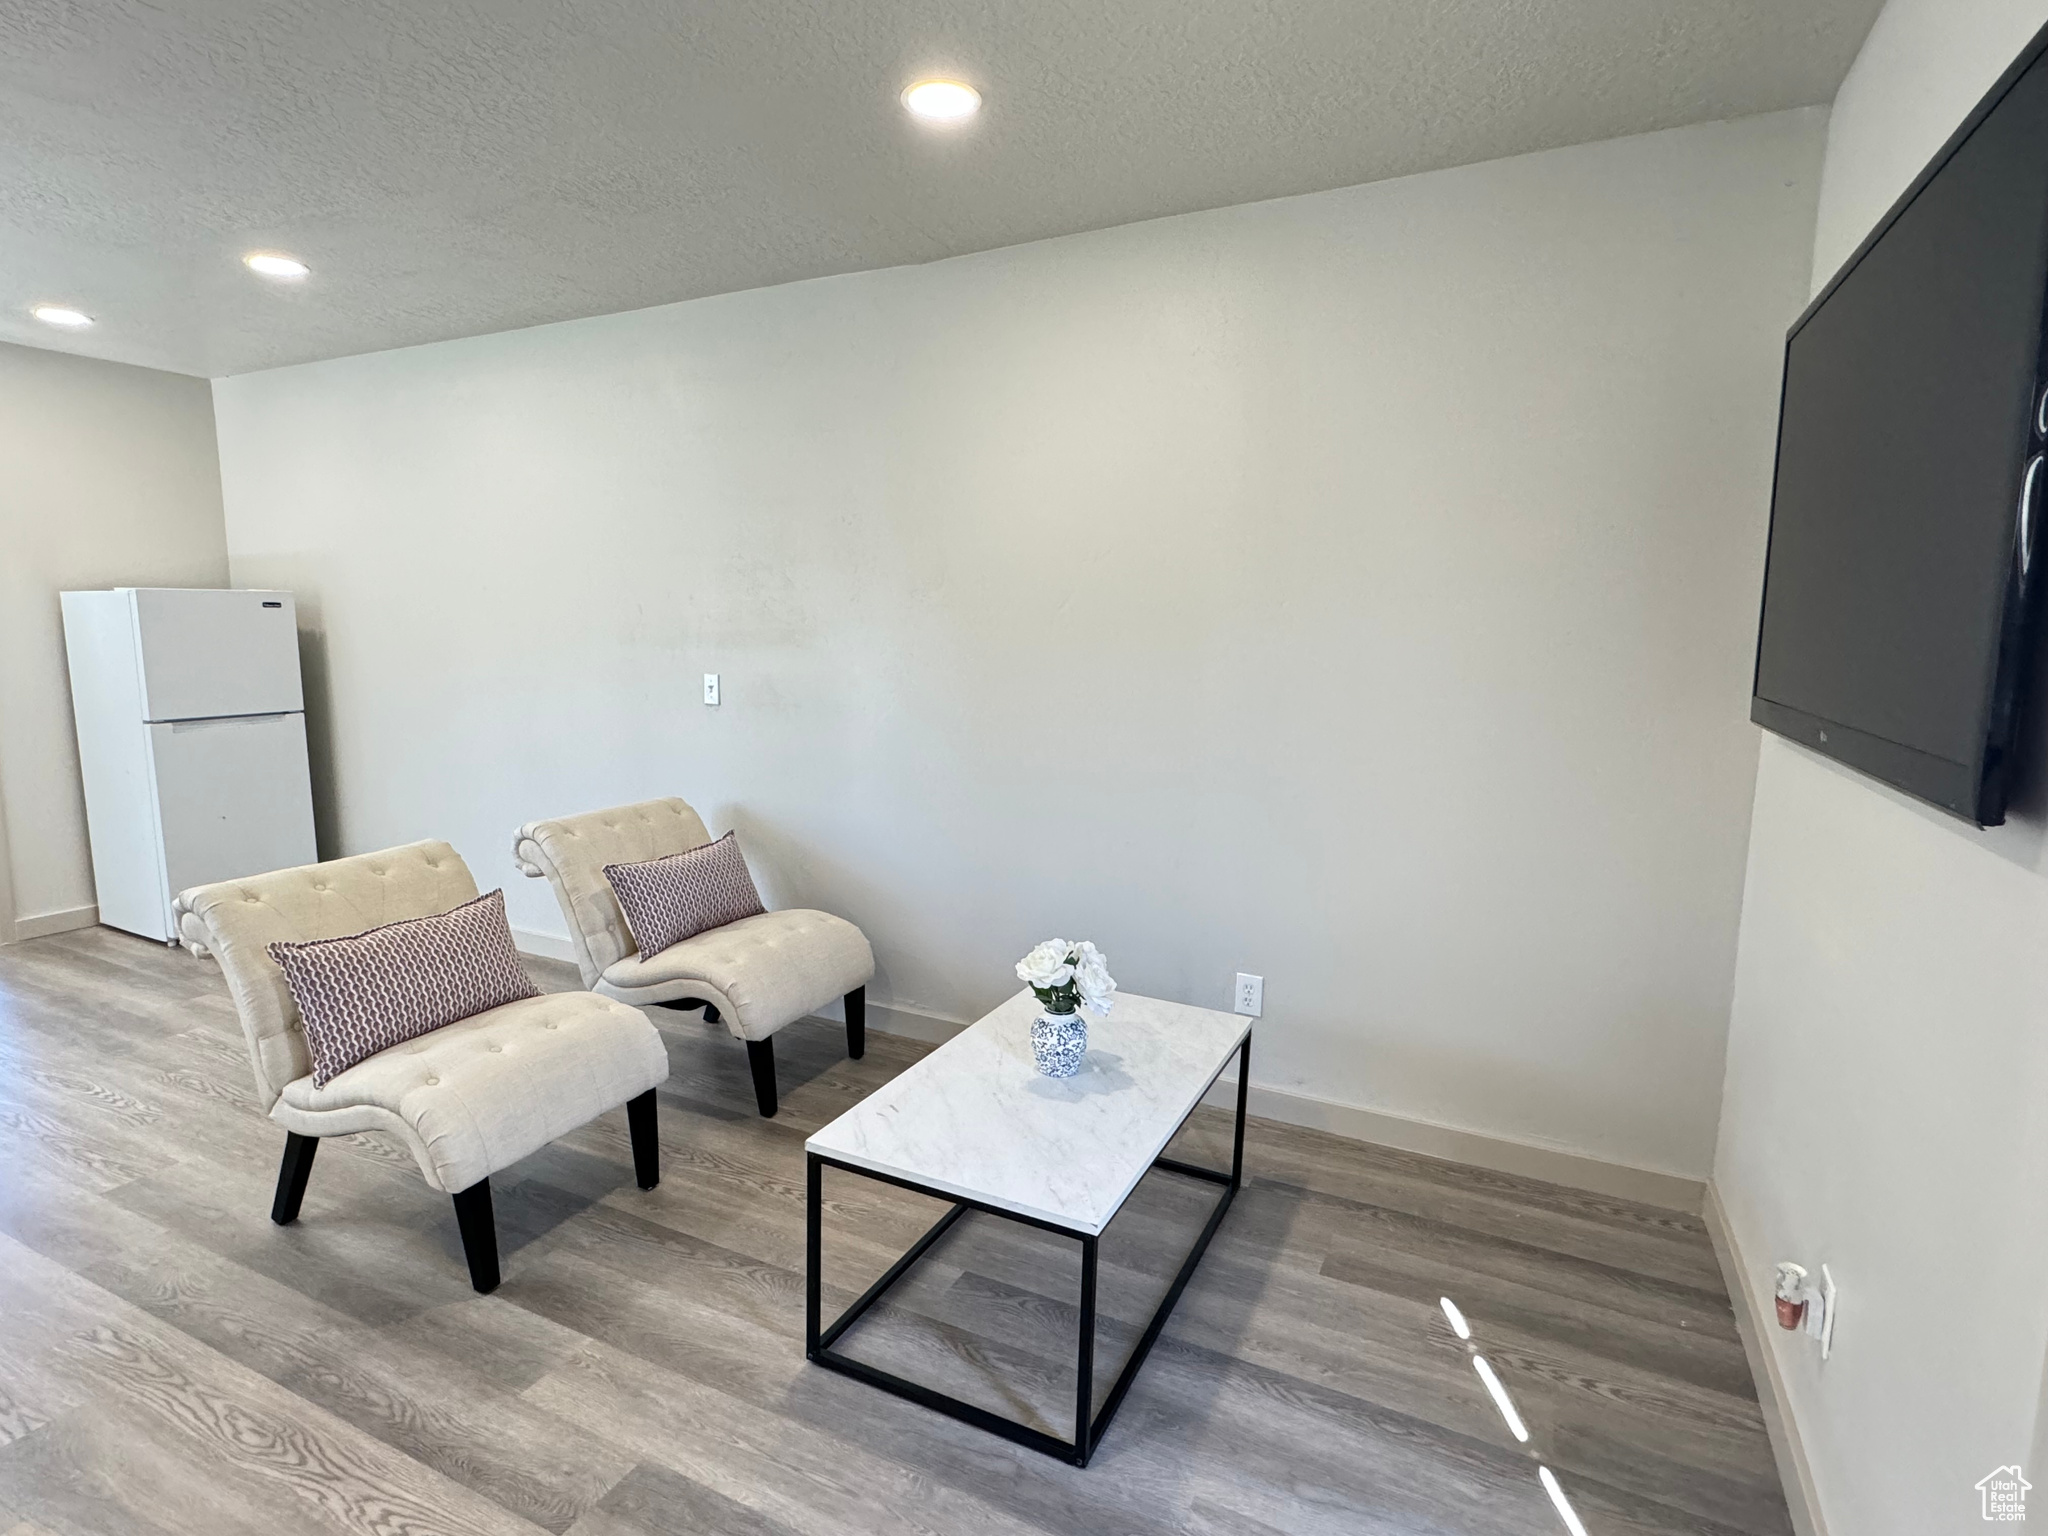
column 197, row 721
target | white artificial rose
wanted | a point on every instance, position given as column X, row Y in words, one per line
column 1092, row 979
column 1046, row 966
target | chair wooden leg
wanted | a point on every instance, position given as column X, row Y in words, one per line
column 857, row 1023
column 291, row 1177
column 479, row 1235
column 646, row 1143
column 761, row 1057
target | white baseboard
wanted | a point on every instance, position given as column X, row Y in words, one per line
column 1500, row 1155
column 1794, row 1471
column 1475, row 1149
column 895, row 1019
column 40, row 925
column 545, row 945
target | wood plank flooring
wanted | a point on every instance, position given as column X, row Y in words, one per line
column 171, row 1363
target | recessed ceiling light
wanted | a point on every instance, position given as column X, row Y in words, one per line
column 61, row 314
column 270, row 264
column 942, row 101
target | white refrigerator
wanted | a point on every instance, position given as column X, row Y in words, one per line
column 191, row 742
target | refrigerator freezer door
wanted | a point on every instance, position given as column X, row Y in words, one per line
column 208, row 654
column 234, row 798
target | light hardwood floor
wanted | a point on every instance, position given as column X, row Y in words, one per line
column 172, row 1363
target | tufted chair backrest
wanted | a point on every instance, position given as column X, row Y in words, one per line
column 236, row 920
column 572, row 852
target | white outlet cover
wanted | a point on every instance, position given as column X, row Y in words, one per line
column 1249, row 996
column 1827, row 1313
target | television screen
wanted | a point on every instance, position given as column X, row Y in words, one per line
column 1896, row 582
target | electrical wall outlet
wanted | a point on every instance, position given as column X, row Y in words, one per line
column 710, row 687
column 1250, row 996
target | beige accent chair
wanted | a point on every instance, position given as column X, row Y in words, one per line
column 756, row 975
column 468, row 1099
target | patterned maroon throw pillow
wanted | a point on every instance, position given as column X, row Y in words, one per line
column 365, row 993
column 669, row 900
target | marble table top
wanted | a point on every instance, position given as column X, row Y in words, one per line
column 975, row 1118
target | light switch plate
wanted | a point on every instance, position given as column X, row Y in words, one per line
column 710, row 687
column 1827, row 1316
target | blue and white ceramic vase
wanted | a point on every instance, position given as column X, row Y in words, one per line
column 1058, row 1042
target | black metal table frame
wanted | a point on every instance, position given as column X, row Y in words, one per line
column 1089, row 1427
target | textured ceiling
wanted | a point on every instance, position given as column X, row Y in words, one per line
column 454, row 168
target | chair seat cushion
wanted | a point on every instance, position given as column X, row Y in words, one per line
column 477, row 1095
column 760, row 973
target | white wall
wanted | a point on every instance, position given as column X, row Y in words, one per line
column 108, row 477
column 1355, row 589
column 1887, row 1095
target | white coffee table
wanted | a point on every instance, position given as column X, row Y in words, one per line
column 975, row 1123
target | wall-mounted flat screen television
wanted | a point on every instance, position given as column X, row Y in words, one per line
column 1909, row 479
